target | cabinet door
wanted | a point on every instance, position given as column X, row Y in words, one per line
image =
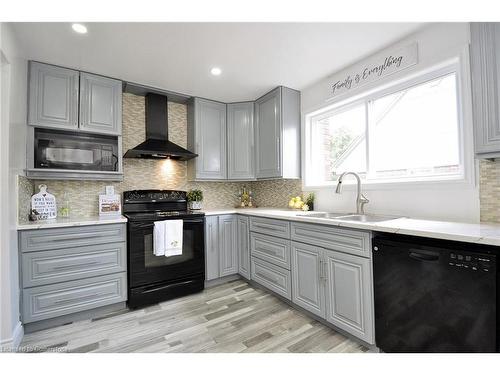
column 349, row 294
column 308, row 278
column 243, row 247
column 228, row 255
column 100, row 104
column 211, row 248
column 268, row 135
column 485, row 70
column 240, row 141
column 53, row 96
column 210, row 130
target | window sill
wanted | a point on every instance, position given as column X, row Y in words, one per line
column 453, row 183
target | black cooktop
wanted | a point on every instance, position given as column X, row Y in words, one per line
column 146, row 205
column 162, row 215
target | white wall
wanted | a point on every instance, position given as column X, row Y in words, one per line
column 12, row 163
column 444, row 201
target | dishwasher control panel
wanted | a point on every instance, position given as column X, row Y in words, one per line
column 474, row 262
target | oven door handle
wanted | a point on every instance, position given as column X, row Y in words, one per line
column 194, row 221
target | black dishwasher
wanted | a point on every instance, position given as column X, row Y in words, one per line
column 434, row 295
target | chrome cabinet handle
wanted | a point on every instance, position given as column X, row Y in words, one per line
column 325, row 271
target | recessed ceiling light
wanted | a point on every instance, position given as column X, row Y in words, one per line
column 79, row 28
column 215, row 71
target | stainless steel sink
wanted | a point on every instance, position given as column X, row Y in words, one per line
column 367, row 218
column 325, row 215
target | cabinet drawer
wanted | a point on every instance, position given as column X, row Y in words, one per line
column 53, row 266
column 272, row 249
column 345, row 240
column 59, row 238
column 278, row 228
column 272, row 277
column 50, row 301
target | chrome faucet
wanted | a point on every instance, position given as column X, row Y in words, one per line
column 361, row 200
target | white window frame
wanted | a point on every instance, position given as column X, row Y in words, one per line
column 460, row 67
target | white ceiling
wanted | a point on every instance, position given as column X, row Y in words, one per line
column 254, row 57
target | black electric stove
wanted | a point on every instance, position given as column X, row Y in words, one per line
column 152, row 278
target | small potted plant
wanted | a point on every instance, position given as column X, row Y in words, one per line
column 195, row 198
column 310, row 201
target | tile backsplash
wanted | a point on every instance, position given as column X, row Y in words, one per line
column 489, row 190
column 155, row 174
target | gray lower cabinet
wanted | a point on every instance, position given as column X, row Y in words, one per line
column 221, row 246
column 349, row 294
column 207, row 138
column 240, row 141
column 274, row 250
column 53, row 96
column 277, row 134
column 356, row 242
column 308, row 281
column 211, row 248
column 52, row 266
column 243, row 238
column 51, row 301
column 228, row 251
column 332, row 276
column 275, row 278
column 485, row 72
column 71, row 269
column 271, row 227
column 100, row 104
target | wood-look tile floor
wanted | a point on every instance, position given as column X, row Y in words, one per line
column 232, row 317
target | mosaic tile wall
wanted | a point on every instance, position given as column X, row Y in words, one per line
column 275, row 193
column 489, row 190
column 156, row 174
column 25, row 190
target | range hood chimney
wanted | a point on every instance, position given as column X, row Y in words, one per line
column 157, row 145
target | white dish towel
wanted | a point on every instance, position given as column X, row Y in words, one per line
column 173, row 237
column 159, row 238
column 167, row 238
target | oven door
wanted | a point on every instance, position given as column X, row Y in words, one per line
column 145, row 268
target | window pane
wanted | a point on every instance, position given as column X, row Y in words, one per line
column 338, row 144
column 414, row 132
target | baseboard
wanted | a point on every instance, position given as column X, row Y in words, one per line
column 14, row 341
column 222, row 280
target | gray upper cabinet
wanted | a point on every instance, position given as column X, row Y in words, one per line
column 207, row 138
column 100, row 104
column 485, row 71
column 308, row 278
column 349, row 296
column 277, row 134
column 240, row 141
column 243, row 246
column 228, row 252
column 53, row 96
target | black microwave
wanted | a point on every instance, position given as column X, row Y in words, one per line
column 56, row 149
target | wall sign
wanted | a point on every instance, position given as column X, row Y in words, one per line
column 44, row 203
column 373, row 69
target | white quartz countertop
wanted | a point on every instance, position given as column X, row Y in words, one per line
column 483, row 233
column 70, row 222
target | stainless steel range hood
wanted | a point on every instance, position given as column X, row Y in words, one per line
column 157, row 145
